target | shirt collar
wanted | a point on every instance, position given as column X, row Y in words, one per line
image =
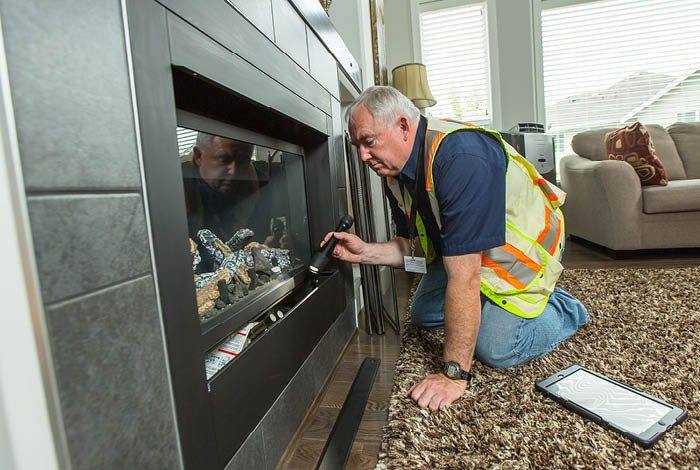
column 409, row 169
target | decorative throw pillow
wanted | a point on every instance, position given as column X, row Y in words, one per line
column 632, row 144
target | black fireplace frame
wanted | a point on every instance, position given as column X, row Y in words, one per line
column 215, row 417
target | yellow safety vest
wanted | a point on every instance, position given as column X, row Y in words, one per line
column 520, row 275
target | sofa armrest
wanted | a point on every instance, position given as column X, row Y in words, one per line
column 603, row 203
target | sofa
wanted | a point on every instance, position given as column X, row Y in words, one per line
column 607, row 205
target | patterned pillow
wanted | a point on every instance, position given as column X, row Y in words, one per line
column 632, row 144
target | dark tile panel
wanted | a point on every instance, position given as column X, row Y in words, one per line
column 286, row 414
column 229, row 28
column 259, row 13
column 283, row 418
column 338, row 143
column 290, row 32
column 71, row 96
column 342, row 202
column 84, row 242
column 112, row 379
column 322, row 64
column 251, row 455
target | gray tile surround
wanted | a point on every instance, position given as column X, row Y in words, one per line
column 85, row 242
column 258, row 12
column 322, row 65
column 72, row 109
column 289, row 29
column 111, row 369
column 74, row 119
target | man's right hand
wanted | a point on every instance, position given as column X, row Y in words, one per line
column 348, row 248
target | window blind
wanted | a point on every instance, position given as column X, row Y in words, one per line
column 612, row 62
column 454, row 45
column 186, row 139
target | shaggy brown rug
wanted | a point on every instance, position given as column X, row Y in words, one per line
column 644, row 331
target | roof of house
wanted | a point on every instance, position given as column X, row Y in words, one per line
column 693, row 73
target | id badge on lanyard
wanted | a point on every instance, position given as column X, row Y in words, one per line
column 415, row 264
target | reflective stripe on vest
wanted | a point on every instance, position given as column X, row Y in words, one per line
column 544, row 185
column 549, row 237
column 512, row 265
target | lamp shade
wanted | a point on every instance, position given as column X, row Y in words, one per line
column 412, row 81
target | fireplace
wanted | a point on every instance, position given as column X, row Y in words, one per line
column 243, row 170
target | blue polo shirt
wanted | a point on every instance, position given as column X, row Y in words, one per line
column 469, row 172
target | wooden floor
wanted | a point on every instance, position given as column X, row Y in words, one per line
column 304, row 450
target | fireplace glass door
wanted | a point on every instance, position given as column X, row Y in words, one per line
column 247, row 223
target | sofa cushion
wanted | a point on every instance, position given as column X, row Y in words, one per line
column 677, row 196
column 667, row 152
column 686, row 136
column 633, row 145
column 590, row 144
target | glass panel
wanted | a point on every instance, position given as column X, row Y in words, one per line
column 246, row 216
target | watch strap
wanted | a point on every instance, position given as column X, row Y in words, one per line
column 461, row 373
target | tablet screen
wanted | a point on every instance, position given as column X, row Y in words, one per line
column 614, row 404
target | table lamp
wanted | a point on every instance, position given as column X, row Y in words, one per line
column 412, row 81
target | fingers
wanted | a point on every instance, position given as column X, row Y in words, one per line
column 435, row 393
column 326, row 238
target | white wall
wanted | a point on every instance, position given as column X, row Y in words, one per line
column 517, row 92
column 399, row 33
column 351, row 20
column 26, row 440
column 516, row 84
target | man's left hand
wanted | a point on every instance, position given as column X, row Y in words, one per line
column 437, row 391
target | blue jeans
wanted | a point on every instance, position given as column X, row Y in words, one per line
column 505, row 339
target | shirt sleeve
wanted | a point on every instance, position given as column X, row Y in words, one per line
column 397, row 214
column 469, row 174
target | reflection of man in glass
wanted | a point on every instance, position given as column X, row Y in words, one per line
column 222, row 188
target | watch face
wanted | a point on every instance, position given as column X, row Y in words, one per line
column 452, row 370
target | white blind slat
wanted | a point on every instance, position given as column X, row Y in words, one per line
column 186, row 139
column 456, row 58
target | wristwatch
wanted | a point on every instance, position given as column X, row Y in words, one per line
column 454, row 371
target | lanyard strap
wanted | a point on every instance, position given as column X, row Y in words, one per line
column 420, row 174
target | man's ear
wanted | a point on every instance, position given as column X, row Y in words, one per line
column 197, row 158
column 405, row 127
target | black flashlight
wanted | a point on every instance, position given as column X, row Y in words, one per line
column 320, row 258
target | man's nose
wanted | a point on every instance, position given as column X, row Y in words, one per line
column 364, row 153
column 231, row 169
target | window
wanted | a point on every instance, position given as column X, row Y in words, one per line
column 612, row 62
column 689, row 116
column 454, row 51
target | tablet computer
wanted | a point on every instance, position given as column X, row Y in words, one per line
column 614, row 405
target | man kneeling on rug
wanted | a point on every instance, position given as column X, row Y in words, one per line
column 492, row 239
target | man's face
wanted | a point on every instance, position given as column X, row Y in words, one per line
column 223, row 162
column 384, row 149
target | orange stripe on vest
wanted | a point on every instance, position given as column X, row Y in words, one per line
column 522, row 257
column 556, row 241
column 428, row 180
column 547, row 226
column 502, row 273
